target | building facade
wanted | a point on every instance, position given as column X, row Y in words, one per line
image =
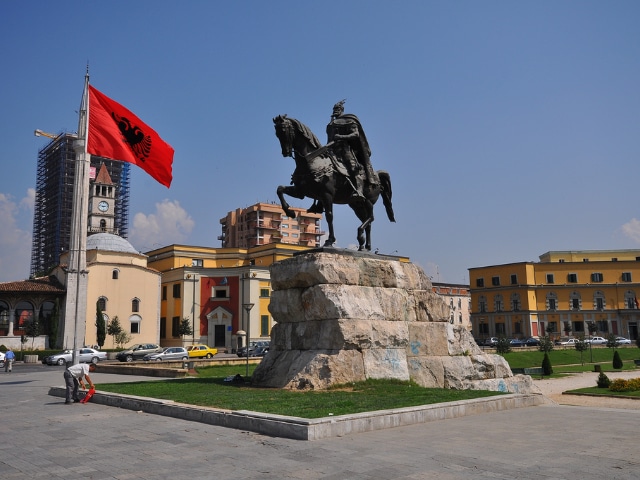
column 55, row 175
column 562, row 294
column 458, row 297
column 220, row 290
column 265, row 223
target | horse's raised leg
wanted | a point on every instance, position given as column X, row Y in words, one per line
column 292, row 192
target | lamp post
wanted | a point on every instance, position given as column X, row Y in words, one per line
column 248, row 307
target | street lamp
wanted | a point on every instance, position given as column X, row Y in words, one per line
column 248, row 307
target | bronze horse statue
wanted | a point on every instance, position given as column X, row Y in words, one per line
column 318, row 176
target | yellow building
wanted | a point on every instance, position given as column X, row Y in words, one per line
column 562, row 293
column 220, row 290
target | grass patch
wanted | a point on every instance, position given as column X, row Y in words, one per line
column 605, row 392
column 209, row 389
column 569, row 360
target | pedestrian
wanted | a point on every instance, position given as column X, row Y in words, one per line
column 9, row 357
column 75, row 376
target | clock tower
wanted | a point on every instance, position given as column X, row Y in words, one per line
column 102, row 194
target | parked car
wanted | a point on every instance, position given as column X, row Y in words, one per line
column 532, row 342
column 516, row 342
column 169, row 353
column 85, row 355
column 623, row 341
column 242, row 352
column 201, row 351
column 491, row 342
column 138, row 351
column 260, row 351
column 1, row 359
column 596, row 340
column 568, row 341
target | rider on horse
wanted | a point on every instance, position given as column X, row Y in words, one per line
column 351, row 149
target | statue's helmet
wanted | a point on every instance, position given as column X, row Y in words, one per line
column 338, row 108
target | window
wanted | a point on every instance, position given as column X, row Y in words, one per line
column 552, row 304
column 500, row 330
column 102, row 303
column 514, row 279
column 482, row 304
column 603, row 326
column 176, row 290
column 221, row 292
column 163, row 327
column 135, row 305
column 114, row 274
column 597, row 277
column 552, row 301
column 599, row 302
column 480, row 282
column 552, row 327
column 264, row 325
column 498, row 303
column 626, row 276
column 264, row 292
column 572, row 278
column 135, row 321
column 196, row 262
column 515, row 303
column 164, row 292
column 495, row 281
column 578, row 327
column 175, row 327
column 550, row 278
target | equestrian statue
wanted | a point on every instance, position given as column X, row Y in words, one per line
column 339, row 172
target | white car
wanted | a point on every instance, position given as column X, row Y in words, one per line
column 1, row 359
column 623, row 341
column 569, row 341
column 596, row 340
column 86, row 355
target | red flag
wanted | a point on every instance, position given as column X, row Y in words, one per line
column 116, row 133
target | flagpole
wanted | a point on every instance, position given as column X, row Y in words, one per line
column 76, row 304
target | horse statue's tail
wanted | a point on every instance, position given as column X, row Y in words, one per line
column 385, row 184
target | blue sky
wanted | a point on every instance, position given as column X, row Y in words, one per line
column 508, row 128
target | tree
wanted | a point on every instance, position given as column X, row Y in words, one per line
column 567, row 328
column 55, row 322
column 184, row 328
column 581, row 346
column 101, row 330
column 546, row 365
column 122, row 338
column 114, row 329
column 592, row 327
column 617, row 361
column 612, row 341
column 546, row 345
column 32, row 329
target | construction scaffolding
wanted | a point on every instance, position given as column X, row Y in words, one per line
column 55, row 174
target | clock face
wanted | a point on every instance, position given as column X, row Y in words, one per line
column 103, row 206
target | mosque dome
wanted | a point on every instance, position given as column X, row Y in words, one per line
column 109, row 242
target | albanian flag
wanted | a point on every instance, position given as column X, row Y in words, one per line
column 116, row 133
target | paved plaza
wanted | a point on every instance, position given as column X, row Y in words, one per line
column 43, row 438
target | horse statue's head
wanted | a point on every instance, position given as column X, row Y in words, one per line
column 285, row 133
column 293, row 135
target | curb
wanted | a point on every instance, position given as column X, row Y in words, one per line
column 313, row 429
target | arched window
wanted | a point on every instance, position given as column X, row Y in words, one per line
column 498, row 303
column 599, row 302
column 136, row 323
column 102, row 303
column 115, row 273
column 515, row 302
column 4, row 318
column 551, row 301
column 103, row 225
column 135, row 305
column 629, row 300
column 575, row 302
column 23, row 315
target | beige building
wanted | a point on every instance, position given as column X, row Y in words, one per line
column 458, row 297
column 265, row 223
column 119, row 279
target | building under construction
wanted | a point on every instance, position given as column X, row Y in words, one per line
column 53, row 206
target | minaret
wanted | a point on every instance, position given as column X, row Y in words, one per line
column 102, row 194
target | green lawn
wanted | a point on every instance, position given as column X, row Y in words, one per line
column 569, row 360
column 209, row 389
column 605, row 392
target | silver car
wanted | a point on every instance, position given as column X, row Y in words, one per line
column 86, row 355
column 169, row 353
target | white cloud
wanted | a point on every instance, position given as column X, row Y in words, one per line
column 168, row 225
column 631, row 229
column 15, row 244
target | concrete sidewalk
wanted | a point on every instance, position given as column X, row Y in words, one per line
column 56, row 441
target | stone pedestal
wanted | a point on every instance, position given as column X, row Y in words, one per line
column 345, row 316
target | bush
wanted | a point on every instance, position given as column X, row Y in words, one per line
column 617, row 361
column 503, row 346
column 621, row 385
column 546, row 365
column 603, row 381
